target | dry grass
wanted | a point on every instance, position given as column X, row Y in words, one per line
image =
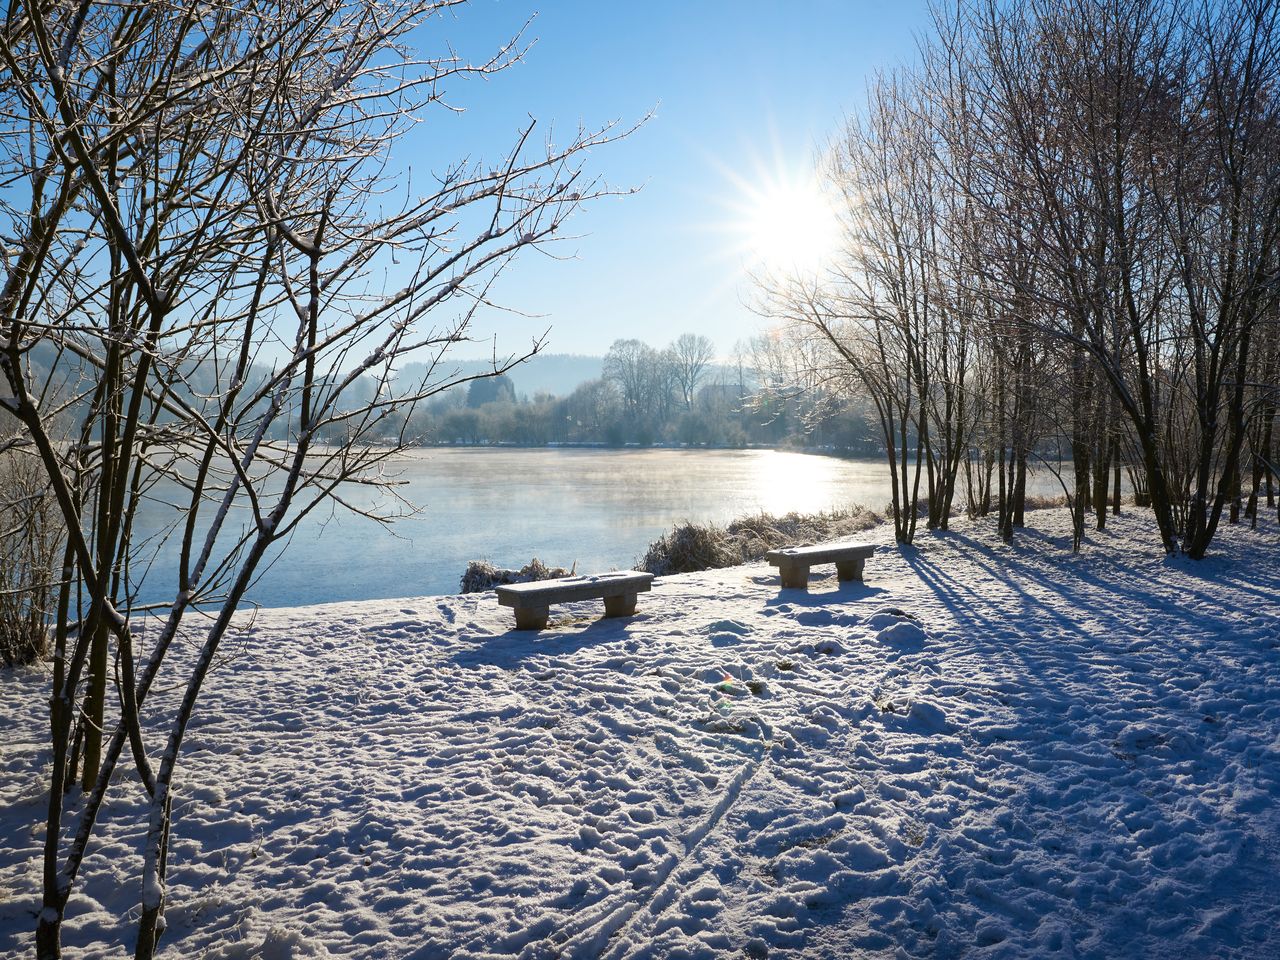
column 690, row 547
column 30, row 539
column 482, row 575
column 1034, row 502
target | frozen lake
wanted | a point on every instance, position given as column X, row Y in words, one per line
column 600, row 508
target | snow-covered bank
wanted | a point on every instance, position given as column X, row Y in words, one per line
column 981, row 751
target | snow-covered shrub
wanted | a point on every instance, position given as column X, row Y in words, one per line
column 690, row 547
column 482, row 575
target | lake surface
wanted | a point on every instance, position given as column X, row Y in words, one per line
column 598, row 508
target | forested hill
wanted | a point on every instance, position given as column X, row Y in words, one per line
column 555, row 373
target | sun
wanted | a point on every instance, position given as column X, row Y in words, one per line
column 791, row 225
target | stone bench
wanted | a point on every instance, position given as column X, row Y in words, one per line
column 532, row 601
column 793, row 563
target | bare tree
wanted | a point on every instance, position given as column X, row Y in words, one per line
column 1067, row 98
column 644, row 378
column 884, row 320
column 690, row 353
column 591, row 407
column 1220, row 205
column 205, row 228
column 1138, row 141
column 1063, row 229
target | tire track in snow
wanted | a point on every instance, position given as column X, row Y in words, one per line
column 594, row 939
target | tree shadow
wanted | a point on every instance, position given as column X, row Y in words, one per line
column 1106, row 589
column 566, row 633
column 847, row 591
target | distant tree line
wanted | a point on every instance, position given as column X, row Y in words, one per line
column 1062, row 230
column 677, row 395
column 645, row 396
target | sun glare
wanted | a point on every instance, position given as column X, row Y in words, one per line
column 791, row 226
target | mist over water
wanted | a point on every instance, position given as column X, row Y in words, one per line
column 598, row 508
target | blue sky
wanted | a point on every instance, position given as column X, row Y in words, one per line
column 742, row 94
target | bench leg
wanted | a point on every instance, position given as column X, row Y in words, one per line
column 849, row 569
column 532, row 618
column 795, row 575
column 623, row 605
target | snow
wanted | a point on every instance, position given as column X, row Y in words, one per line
column 982, row 750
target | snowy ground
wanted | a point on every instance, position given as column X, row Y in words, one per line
column 980, row 752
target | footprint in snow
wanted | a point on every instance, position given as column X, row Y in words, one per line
column 726, row 633
column 823, row 617
column 902, row 634
column 728, row 626
column 725, row 639
column 887, row 616
column 916, row 716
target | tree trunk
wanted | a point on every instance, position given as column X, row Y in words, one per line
column 49, row 936
column 94, row 705
column 1115, row 476
column 1233, row 514
column 1101, row 472
column 1020, row 491
column 1004, row 511
column 1268, row 455
column 1251, row 510
column 989, row 462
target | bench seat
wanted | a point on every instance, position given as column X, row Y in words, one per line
column 793, row 563
column 532, row 601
